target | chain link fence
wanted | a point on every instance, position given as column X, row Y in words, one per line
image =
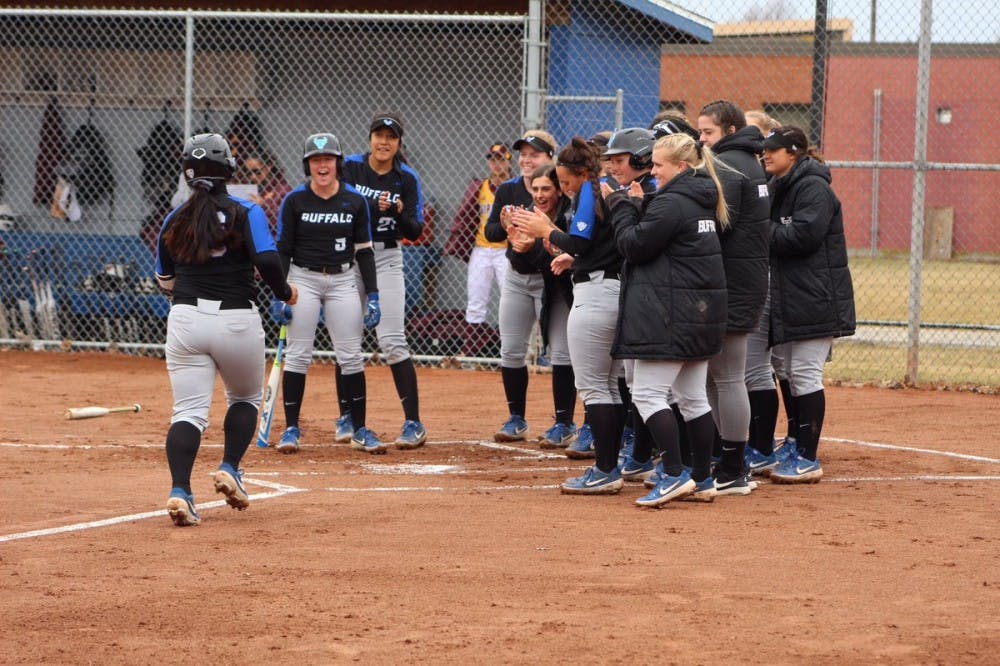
column 94, row 106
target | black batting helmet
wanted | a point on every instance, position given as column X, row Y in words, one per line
column 637, row 142
column 322, row 144
column 208, row 157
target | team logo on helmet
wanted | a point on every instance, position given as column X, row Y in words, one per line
column 320, row 142
column 198, row 153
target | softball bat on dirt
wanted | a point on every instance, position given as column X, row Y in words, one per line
column 74, row 413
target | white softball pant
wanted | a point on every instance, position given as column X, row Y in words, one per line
column 520, row 308
column 654, row 381
column 486, row 266
column 338, row 297
column 202, row 339
column 592, row 323
column 391, row 331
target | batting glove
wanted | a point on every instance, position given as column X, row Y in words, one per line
column 281, row 313
column 373, row 313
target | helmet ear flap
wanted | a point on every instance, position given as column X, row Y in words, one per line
column 641, row 161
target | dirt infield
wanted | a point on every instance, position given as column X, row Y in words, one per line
column 464, row 551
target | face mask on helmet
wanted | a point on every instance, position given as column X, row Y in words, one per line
column 207, row 157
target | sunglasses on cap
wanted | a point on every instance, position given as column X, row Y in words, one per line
column 535, row 142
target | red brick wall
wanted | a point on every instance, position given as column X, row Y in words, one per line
column 969, row 86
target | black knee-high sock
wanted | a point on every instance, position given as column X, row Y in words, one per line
column 293, row 389
column 515, row 387
column 607, row 434
column 682, row 435
column 183, row 440
column 643, row 449
column 700, row 433
column 763, row 418
column 355, row 389
column 404, row 374
column 626, row 394
column 731, row 459
column 662, row 427
column 716, row 442
column 812, row 409
column 791, row 409
column 563, row 393
column 343, row 401
column 239, row 427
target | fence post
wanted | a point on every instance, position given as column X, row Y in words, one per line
column 533, row 67
column 876, row 156
column 919, row 183
column 188, row 73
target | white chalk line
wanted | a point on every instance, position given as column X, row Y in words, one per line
column 277, row 490
column 281, row 489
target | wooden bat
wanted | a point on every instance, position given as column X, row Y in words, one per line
column 271, row 391
column 74, row 413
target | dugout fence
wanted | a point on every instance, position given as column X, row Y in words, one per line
column 898, row 99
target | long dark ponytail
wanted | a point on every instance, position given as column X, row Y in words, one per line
column 198, row 230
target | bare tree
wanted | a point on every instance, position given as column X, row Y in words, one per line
column 770, row 10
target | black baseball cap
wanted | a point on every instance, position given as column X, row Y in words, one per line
column 499, row 148
column 538, row 143
column 790, row 138
column 387, row 122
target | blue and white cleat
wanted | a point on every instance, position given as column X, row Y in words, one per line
column 513, row 430
column 345, row 429
column 229, row 482
column 633, row 470
column 558, row 436
column 180, row 506
column 627, row 446
column 669, row 488
column 582, row 447
column 797, row 470
column 365, row 440
column 412, row 436
column 594, row 482
column 759, row 464
column 704, row 491
column 289, row 442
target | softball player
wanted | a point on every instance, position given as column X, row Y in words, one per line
column 528, row 295
column 588, row 251
column 673, row 307
column 323, row 229
column 397, row 204
column 205, row 257
column 745, row 256
column 812, row 297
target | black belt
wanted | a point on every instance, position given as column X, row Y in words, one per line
column 329, row 270
column 583, row 276
column 223, row 305
column 388, row 244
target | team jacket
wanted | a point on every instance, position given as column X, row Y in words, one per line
column 510, row 193
column 811, row 291
column 745, row 242
column 228, row 275
column 402, row 183
column 673, row 293
column 314, row 232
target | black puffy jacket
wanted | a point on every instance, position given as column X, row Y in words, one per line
column 745, row 242
column 811, row 291
column 673, row 293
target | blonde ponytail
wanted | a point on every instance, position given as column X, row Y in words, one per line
column 682, row 148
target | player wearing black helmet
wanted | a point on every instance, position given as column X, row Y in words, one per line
column 323, row 229
column 207, row 251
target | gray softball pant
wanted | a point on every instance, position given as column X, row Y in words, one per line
column 727, row 389
column 391, row 330
column 763, row 362
column 202, row 339
column 338, row 297
column 592, row 323
column 804, row 361
column 520, row 308
column 653, row 382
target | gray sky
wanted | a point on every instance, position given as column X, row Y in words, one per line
column 896, row 20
